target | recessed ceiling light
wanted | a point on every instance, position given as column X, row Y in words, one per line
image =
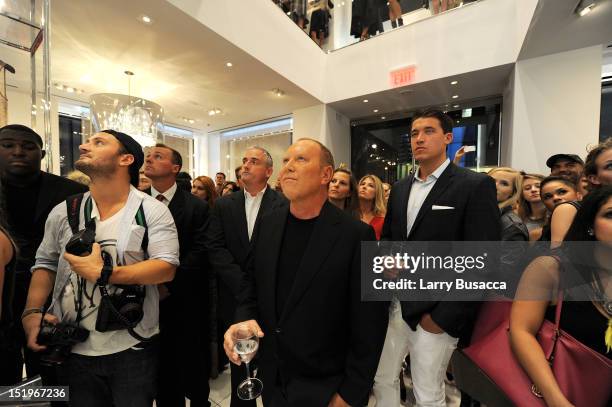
column 455, row 106
column 146, row 19
column 455, row 96
column 229, row 64
column 374, row 146
column 69, row 89
column 383, row 118
column 585, row 7
column 375, row 110
column 365, row 100
column 454, row 82
column 278, row 92
column 386, row 168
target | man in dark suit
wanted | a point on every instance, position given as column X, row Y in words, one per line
column 441, row 202
column 302, row 290
column 29, row 195
column 229, row 238
column 183, row 314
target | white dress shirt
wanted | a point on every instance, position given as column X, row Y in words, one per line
column 419, row 191
column 251, row 208
column 168, row 195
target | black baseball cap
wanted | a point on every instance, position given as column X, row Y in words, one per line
column 132, row 147
column 552, row 160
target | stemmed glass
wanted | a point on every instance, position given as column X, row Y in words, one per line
column 246, row 343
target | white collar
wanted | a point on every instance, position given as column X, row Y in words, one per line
column 436, row 174
column 169, row 194
column 247, row 195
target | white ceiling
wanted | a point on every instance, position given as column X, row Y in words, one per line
column 470, row 88
column 556, row 28
column 178, row 63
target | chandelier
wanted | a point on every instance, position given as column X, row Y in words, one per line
column 137, row 117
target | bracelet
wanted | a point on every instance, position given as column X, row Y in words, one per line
column 30, row 311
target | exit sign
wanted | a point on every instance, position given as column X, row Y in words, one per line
column 402, row 76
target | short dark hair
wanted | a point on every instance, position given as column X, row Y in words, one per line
column 237, row 171
column 222, row 173
column 445, row 121
column 565, row 180
column 24, row 129
column 176, row 156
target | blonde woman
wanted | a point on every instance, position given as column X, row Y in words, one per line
column 531, row 209
column 372, row 202
column 508, row 185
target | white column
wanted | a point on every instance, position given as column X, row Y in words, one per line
column 324, row 124
column 551, row 105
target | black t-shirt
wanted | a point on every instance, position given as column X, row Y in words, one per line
column 296, row 237
column 21, row 205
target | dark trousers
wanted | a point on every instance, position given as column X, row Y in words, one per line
column 124, row 379
column 184, row 366
column 15, row 352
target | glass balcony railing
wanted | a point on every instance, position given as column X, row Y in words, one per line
column 334, row 24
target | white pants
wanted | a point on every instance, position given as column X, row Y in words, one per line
column 429, row 357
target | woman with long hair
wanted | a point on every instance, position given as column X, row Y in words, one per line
column 531, row 209
column 204, row 188
column 342, row 190
column 507, row 184
column 584, row 318
column 229, row 188
column 372, row 202
column 598, row 165
column 561, row 197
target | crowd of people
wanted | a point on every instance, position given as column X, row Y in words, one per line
column 367, row 16
column 130, row 286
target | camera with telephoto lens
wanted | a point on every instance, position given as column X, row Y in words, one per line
column 59, row 339
column 81, row 243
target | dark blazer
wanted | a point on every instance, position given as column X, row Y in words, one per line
column 53, row 190
column 227, row 241
column 326, row 340
column 183, row 316
column 475, row 217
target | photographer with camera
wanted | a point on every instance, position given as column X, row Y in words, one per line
column 103, row 254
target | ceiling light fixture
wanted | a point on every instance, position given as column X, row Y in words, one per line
column 383, row 118
column 215, row 111
column 229, row 64
column 454, row 82
column 146, row 19
column 585, row 7
column 455, row 96
column 374, row 146
column 375, row 110
column 365, row 100
column 455, row 106
column 278, row 92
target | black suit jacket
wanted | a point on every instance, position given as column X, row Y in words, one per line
column 53, row 190
column 326, row 340
column 475, row 217
column 228, row 245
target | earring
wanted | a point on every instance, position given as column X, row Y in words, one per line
column 590, row 232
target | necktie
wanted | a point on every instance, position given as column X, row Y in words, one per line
column 160, row 198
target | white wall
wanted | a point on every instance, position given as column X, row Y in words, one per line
column 556, row 101
column 482, row 35
column 322, row 123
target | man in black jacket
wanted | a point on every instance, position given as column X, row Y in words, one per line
column 441, row 202
column 183, row 318
column 302, row 290
column 29, row 195
column 229, row 238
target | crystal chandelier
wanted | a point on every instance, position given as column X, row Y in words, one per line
column 137, row 117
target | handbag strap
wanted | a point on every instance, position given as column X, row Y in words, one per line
column 550, row 353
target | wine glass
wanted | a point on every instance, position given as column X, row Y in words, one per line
column 246, row 343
